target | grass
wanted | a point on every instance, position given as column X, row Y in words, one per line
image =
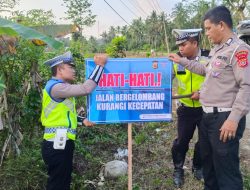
column 152, row 163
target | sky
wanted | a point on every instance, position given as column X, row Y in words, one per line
column 106, row 17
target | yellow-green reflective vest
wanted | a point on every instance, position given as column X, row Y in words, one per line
column 58, row 114
column 188, row 83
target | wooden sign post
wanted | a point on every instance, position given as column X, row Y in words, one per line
column 130, row 156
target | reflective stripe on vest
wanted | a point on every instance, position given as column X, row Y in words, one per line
column 188, row 83
column 53, row 130
column 53, row 104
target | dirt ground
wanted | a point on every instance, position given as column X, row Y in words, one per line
column 152, row 162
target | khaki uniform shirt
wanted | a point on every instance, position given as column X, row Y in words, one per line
column 227, row 81
column 197, row 58
column 66, row 90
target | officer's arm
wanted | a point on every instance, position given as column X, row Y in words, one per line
column 241, row 69
column 81, row 118
column 66, row 90
column 193, row 66
column 88, row 123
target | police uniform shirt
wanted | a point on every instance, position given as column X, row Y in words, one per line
column 201, row 57
column 66, row 90
column 227, row 82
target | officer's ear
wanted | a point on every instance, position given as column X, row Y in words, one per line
column 59, row 68
column 222, row 25
column 197, row 43
column 194, row 42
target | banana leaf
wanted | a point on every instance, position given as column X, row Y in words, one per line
column 56, row 30
column 2, row 85
column 13, row 29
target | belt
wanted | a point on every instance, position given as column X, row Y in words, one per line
column 183, row 105
column 53, row 130
column 53, row 139
column 208, row 109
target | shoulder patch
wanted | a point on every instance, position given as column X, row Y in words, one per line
column 242, row 58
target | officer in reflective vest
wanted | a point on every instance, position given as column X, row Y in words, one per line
column 225, row 100
column 60, row 119
column 189, row 111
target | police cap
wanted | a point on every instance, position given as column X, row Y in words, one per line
column 66, row 58
column 182, row 35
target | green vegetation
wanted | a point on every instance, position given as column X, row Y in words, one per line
column 117, row 47
column 23, row 76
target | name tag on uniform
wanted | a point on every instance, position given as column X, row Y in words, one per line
column 60, row 139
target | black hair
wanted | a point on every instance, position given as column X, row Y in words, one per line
column 195, row 38
column 54, row 70
column 218, row 14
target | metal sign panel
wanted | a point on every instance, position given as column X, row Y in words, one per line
column 131, row 90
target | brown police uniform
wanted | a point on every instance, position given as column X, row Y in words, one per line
column 225, row 95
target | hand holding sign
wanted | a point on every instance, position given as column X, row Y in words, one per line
column 174, row 57
column 100, row 59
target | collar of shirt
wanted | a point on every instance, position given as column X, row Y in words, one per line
column 197, row 57
column 227, row 43
column 60, row 80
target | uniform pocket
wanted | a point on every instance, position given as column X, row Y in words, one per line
column 227, row 156
column 180, row 110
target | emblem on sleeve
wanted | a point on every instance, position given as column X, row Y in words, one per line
column 217, row 63
column 215, row 74
column 242, row 58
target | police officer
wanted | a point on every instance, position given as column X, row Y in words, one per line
column 59, row 116
column 225, row 98
column 189, row 111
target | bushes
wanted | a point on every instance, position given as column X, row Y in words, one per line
column 94, row 146
column 117, row 47
column 26, row 171
column 246, row 181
